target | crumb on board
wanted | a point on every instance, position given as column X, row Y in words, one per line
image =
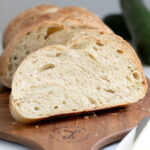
column 86, row 117
column 13, row 123
column 36, row 126
column 114, row 114
column 90, row 116
column 77, row 123
column 94, row 115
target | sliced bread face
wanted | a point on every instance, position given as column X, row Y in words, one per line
column 107, row 36
column 91, row 74
column 66, row 37
column 18, row 50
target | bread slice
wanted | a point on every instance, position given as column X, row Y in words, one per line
column 105, row 35
column 35, row 31
column 37, row 10
column 68, row 36
column 90, row 74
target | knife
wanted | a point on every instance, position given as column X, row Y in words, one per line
column 142, row 135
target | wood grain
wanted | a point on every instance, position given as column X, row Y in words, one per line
column 71, row 133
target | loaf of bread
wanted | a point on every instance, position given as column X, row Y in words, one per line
column 37, row 10
column 34, row 32
column 62, row 61
column 75, row 14
column 89, row 73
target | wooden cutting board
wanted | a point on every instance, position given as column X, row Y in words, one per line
column 73, row 133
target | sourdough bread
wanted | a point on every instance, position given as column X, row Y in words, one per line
column 34, row 32
column 88, row 74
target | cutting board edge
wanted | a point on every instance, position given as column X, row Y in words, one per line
column 20, row 140
column 110, row 139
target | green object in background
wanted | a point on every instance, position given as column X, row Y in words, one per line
column 117, row 23
column 137, row 18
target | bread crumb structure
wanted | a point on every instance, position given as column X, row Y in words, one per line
column 70, row 79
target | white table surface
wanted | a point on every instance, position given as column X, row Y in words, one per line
column 5, row 145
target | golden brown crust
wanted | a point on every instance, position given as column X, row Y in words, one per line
column 69, row 16
column 40, row 9
column 86, row 14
